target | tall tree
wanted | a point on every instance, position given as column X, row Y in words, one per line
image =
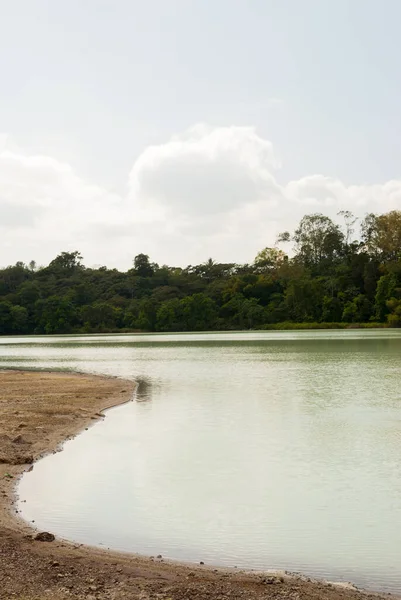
column 318, row 240
column 142, row 266
column 381, row 235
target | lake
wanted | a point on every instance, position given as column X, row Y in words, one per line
column 258, row 450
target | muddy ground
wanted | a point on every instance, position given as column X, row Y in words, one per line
column 37, row 412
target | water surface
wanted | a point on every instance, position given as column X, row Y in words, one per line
column 261, row 450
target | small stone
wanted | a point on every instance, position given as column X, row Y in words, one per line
column 269, row 580
column 55, row 563
column 159, row 556
column 26, row 460
column 44, row 536
column 19, row 440
column 201, row 562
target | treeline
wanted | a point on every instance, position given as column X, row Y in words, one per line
column 337, row 273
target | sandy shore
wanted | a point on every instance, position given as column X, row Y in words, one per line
column 38, row 411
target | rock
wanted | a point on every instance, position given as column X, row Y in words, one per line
column 44, row 536
column 201, row 562
column 19, row 440
column 270, row 580
column 55, row 563
column 159, row 556
column 24, row 460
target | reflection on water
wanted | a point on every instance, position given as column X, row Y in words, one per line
column 261, row 450
column 143, row 391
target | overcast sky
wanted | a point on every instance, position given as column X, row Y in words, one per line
column 189, row 129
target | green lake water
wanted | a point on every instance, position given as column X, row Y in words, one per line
column 257, row 450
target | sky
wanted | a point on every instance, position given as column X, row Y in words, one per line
column 189, row 129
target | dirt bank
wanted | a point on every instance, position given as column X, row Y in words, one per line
column 37, row 412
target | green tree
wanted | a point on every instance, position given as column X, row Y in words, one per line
column 394, row 316
column 270, row 260
column 381, row 235
column 331, row 277
column 385, row 290
column 56, row 315
column 359, row 310
column 318, row 241
column 19, row 319
column 66, row 263
column 169, row 316
column 332, row 309
column 198, row 312
column 5, row 317
column 142, row 266
column 100, row 316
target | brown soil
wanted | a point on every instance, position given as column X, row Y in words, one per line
column 37, row 412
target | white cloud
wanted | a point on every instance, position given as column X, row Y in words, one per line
column 205, row 192
column 205, row 171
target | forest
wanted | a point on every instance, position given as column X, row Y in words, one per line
column 323, row 274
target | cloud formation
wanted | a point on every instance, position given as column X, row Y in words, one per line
column 205, row 192
column 205, row 171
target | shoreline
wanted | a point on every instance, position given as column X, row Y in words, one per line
column 66, row 569
column 280, row 326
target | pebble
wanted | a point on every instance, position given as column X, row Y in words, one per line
column 44, row 536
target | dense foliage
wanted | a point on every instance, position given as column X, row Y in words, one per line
column 332, row 277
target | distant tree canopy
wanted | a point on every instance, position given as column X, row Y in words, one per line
column 332, row 276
